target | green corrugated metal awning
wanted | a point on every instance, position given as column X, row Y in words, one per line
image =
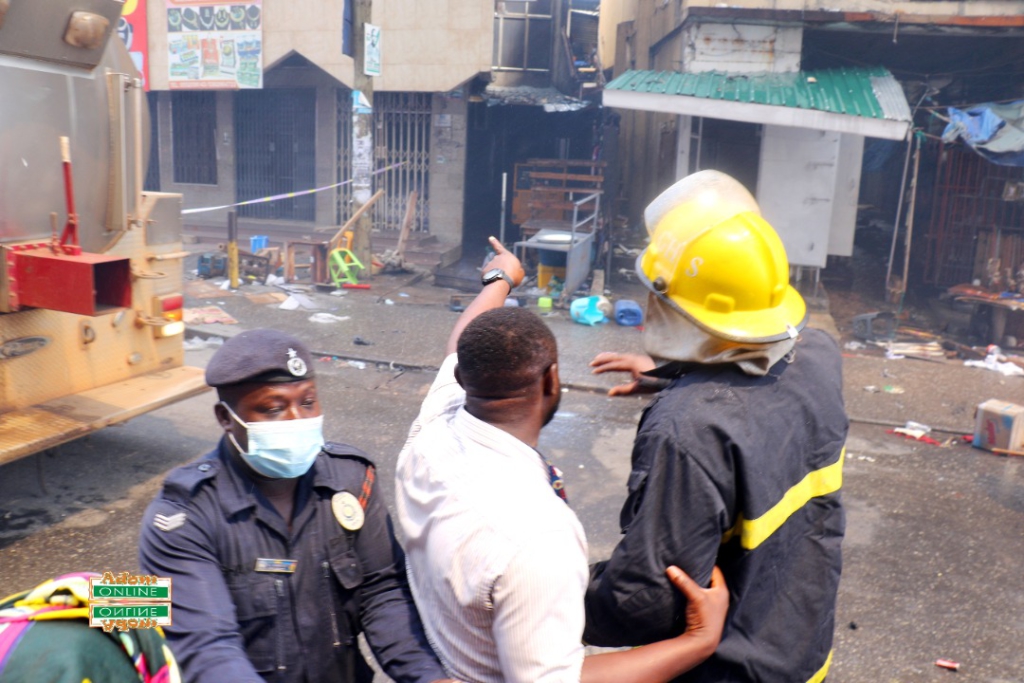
column 862, row 101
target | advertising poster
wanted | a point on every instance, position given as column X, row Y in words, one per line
column 214, row 45
column 132, row 29
column 371, row 55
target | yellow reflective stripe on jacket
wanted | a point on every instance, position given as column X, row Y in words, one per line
column 754, row 532
column 823, row 671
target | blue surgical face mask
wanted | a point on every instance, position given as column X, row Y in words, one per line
column 280, row 449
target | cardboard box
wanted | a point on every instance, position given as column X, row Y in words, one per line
column 999, row 425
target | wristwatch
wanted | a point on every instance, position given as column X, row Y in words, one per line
column 495, row 274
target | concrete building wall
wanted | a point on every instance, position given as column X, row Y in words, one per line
column 433, row 45
column 741, row 48
column 613, row 13
column 448, row 164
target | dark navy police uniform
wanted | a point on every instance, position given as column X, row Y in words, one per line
column 744, row 472
column 235, row 620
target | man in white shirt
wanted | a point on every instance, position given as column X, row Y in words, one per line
column 497, row 561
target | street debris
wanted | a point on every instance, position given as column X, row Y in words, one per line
column 915, row 434
column 948, row 664
column 339, row 292
column 996, row 361
column 274, row 280
column 389, row 302
column 357, row 364
column 854, row 345
column 628, row 313
column 267, row 297
column 327, row 318
column 207, row 315
column 296, row 300
column 999, row 425
column 198, row 343
column 888, row 388
column 359, row 341
column 590, row 310
column 899, row 350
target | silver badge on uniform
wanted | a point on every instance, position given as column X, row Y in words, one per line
column 296, row 365
column 347, row 511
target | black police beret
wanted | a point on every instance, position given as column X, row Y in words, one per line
column 262, row 356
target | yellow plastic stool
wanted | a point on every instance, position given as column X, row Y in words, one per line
column 343, row 267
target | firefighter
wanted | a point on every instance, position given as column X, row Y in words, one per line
column 738, row 459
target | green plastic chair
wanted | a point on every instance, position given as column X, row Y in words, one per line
column 343, row 267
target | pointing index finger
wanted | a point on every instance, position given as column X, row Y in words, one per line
column 498, row 247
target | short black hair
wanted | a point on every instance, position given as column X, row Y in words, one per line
column 504, row 350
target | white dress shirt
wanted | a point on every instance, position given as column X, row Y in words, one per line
column 496, row 560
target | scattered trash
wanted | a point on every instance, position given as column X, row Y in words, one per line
column 999, row 425
column 871, row 388
column 349, row 285
column 296, row 300
column 511, row 303
column 267, row 297
column 389, row 302
column 915, row 434
column 207, row 315
column 900, row 350
column 853, row 625
column 995, row 360
column 403, row 294
column 339, row 292
column 892, row 389
column 274, row 280
column 327, row 318
column 357, row 364
column 628, row 313
column 226, row 285
column 198, row 343
column 586, row 312
column 948, row 664
column 854, row 346
column 359, row 341
column 874, row 326
column 582, row 466
column 917, row 426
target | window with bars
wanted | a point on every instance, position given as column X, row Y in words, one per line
column 523, row 37
column 402, row 142
column 194, row 137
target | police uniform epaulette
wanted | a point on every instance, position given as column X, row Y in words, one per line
column 182, row 483
column 343, row 450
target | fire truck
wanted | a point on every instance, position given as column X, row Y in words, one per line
column 91, row 299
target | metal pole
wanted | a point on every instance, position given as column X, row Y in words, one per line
column 362, row 136
column 910, row 218
column 233, row 249
column 899, row 211
column 504, row 188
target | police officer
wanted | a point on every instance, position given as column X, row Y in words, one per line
column 279, row 545
column 738, row 460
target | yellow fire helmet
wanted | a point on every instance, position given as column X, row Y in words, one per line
column 714, row 259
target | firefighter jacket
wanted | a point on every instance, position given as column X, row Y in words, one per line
column 744, row 472
column 255, row 600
